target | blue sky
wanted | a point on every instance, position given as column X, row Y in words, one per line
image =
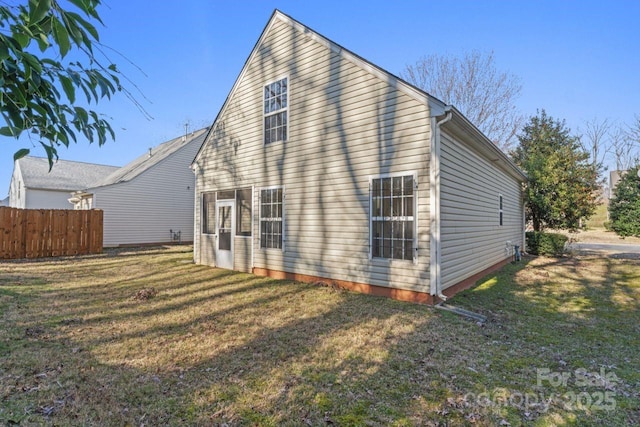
column 577, row 59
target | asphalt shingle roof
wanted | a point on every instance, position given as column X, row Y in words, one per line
column 146, row 161
column 66, row 175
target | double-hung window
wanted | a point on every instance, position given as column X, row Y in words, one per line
column 275, row 111
column 271, row 217
column 393, row 217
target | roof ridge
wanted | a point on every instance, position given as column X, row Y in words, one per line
column 141, row 163
column 66, row 160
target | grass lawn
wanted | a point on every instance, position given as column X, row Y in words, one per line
column 599, row 217
column 144, row 337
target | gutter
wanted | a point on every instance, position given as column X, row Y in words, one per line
column 434, row 203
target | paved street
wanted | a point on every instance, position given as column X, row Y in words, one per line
column 616, row 250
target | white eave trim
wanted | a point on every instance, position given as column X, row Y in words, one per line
column 436, row 106
column 486, row 146
column 383, row 75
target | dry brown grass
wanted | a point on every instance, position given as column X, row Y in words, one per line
column 144, row 337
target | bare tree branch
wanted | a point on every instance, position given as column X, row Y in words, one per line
column 595, row 140
column 474, row 86
column 624, row 145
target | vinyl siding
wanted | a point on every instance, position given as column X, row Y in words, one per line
column 144, row 209
column 345, row 126
column 242, row 254
column 207, row 254
column 16, row 188
column 471, row 235
column 46, row 199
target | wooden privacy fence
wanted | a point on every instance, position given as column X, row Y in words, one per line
column 34, row 233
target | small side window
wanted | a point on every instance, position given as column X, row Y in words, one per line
column 500, row 212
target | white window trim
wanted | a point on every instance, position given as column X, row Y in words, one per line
column 500, row 210
column 264, row 115
column 414, row 174
column 284, row 213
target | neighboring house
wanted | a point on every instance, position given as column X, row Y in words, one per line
column 150, row 200
column 33, row 186
column 614, row 178
column 5, row 201
column 321, row 166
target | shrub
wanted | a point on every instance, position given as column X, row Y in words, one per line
column 549, row 244
column 624, row 206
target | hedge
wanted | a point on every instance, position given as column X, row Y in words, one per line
column 549, row 244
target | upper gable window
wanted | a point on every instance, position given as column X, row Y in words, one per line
column 275, row 111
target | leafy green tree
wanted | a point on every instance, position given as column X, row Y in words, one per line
column 50, row 74
column 624, row 206
column 563, row 182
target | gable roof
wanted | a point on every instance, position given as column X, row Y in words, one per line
column 65, row 175
column 391, row 79
column 150, row 159
column 436, row 106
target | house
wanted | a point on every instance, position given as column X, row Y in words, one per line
column 321, row 166
column 34, row 186
column 150, row 200
column 614, row 178
column 5, row 201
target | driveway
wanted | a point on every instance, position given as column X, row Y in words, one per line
column 615, row 250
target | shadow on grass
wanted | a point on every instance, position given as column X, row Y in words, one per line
column 582, row 313
column 216, row 347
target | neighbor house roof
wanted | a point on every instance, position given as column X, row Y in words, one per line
column 149, row 159
column 65, row 175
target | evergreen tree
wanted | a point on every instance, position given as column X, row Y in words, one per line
column 624, row 206
column 562, row 180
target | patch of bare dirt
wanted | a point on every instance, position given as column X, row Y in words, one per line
column 145, row 294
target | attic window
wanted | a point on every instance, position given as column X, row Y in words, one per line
column 275, row 111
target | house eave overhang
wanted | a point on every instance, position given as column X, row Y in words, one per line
column 469, row 134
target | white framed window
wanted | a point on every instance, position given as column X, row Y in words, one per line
column 393, row 216
column 500, row 211
column 275, row 109
column 272, row 218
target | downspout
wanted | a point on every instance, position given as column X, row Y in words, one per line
column 434, row 203
column 197, row 238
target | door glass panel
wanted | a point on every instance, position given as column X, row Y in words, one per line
column 224, row 228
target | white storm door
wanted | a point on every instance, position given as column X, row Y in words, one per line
column 225, row 233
